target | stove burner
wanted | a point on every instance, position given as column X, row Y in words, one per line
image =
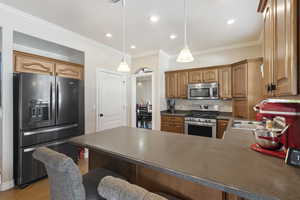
column 205, row 114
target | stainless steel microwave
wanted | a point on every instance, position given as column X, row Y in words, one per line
column 203, row 91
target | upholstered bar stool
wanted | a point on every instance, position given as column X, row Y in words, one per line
column 66, row 182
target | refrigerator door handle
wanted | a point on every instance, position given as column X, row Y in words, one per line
column 28, row 133
column 51, row 100
column 57, row 101
column 49, row 145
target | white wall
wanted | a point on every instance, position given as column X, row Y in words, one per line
column 96, row 55
column 143, row 91
column 26, row 43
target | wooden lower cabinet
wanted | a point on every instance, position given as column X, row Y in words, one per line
column 232, row 197
column 153, row 180
column 172, row 124
column 240, row 108
column 221, row 128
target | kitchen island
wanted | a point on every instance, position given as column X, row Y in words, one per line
column 191, row 167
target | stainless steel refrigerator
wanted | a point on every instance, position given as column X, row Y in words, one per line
column 48, row 110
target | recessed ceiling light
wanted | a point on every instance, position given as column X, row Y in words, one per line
column 173, row 36
column 154, row 18
column 231, row 21
column 133, row 46
column 109, row 35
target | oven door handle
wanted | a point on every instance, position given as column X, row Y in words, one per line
column 199, row 124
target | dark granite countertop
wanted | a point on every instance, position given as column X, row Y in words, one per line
column 228, row 165
column 184, row 113
column 225, row 115
column 179, row 113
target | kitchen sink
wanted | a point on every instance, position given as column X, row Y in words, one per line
column 246, row 125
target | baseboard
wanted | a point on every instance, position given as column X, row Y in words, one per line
column 7, row 185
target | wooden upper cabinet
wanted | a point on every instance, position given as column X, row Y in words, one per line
column 267, row 71
column 221, row 128
column 33, row 64
column 210, row 75
column 281, row 41
column 171, row 84
column 196, row 76
column 239, row 80
column 29, row 63
column 183, row 80
column 225, row 82
column 285, row 54
column 69, row 71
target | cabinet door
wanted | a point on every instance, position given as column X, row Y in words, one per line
column 222, row 125
column 210, row 75
column 69, row 71
column 267, row 71
column 172, row 124
column 240, row 108
column 33, row 64
column 171, row 84
column 240, row 80
column 285, row 58
column 225, row 82
column 183, row 79
column 196, row 76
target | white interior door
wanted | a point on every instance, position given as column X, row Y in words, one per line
column 111, row 100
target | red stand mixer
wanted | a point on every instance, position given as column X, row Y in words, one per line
column 288, row 109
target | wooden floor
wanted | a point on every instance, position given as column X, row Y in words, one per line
column 36, row 191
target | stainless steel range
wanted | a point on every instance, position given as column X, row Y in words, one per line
column 202, row 122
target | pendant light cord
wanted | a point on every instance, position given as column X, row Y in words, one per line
column 185, row 23
column 124, row 28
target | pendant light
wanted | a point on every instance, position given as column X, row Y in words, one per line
column 185, row 56
column 123, row 67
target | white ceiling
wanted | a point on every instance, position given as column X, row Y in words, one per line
column 208, row 27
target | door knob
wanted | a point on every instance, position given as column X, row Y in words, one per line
column 101, row 115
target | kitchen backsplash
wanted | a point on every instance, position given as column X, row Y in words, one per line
column 224, row 106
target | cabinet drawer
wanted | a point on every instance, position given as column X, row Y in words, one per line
column 174, row 119
column 69, row 71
